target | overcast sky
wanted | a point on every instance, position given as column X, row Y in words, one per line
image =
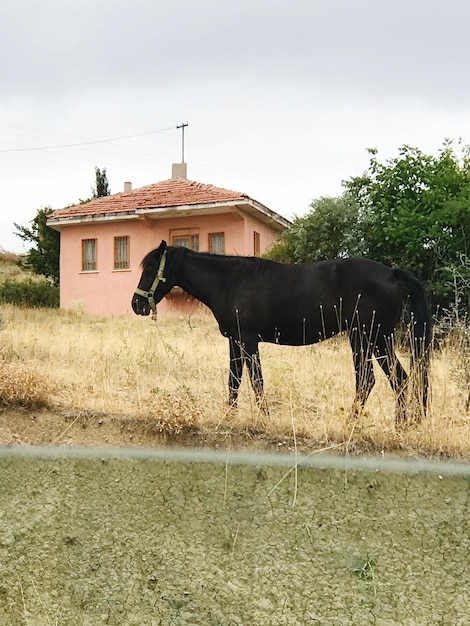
column 282, row 98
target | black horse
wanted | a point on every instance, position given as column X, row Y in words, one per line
column 257, row 300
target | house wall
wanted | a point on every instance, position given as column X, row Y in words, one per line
column 267, row 235
column 109, row 292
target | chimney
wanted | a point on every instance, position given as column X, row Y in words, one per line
column 127, row 187
column 179, row 170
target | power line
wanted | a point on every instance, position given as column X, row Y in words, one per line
column 86, row 143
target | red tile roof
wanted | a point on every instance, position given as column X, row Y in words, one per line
column 168, row 193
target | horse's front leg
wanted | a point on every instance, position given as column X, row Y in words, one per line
column 364, row 371
column 236, row 371
column 253, row 363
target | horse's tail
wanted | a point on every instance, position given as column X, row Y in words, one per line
column 420, row 331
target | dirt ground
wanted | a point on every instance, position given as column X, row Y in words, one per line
column 119, row 541
column 91, row 541
column 45, row 427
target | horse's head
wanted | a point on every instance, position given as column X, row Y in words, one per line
column 153, row 284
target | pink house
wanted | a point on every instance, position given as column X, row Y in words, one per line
column 102, row 242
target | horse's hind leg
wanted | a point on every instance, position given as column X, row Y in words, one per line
column 236, row 371
column 388, row 361
column 364, row 370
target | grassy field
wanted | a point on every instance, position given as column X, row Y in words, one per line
column 174, row 373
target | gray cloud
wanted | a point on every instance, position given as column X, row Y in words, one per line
column 389, row 50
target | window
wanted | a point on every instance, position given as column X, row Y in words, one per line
column 89, row 255
column 217, row 243
column 256, row 244
column 121, row 253
column 188, row 241
column 187, row 237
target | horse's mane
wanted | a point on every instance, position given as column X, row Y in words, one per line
column 229, row 258
column 150, row 258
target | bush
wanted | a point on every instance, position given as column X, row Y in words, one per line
column 24, row 385
column 453, row 332
column 30, row 293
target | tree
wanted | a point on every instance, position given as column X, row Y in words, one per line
column 331, row 229
column 43, row 257
column 415, row 213
column 412, row 211
column 101, row 185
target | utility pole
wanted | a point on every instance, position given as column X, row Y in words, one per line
column 182, row 126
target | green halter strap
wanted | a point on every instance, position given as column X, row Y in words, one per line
column 159, row 278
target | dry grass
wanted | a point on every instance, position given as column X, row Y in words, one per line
column 25, row 385
column 9, row 268
column 175, row 373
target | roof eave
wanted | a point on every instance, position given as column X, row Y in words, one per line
column 57, row 222
column 268, row 216
column 244, row 204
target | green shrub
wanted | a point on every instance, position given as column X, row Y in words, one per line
column 30, row 293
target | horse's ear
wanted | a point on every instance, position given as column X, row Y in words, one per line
column 162, row 246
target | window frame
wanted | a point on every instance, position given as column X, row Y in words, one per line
column 191, row 234
column 121, row 261
column 256, row 243
column 90, row 254
column 211, row 247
